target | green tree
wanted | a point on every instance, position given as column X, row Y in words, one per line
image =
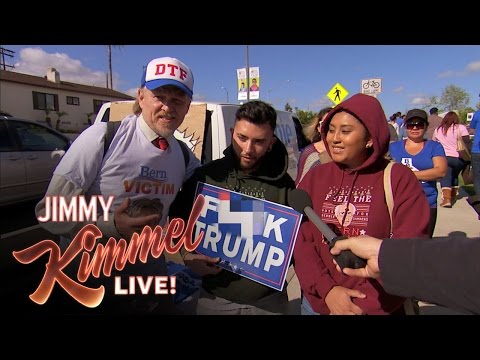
column 59, row 114
column 454, row 98
column 89, row 115
column 47, row 116
column 433, row 101
column 304, row 116
column 462, row 114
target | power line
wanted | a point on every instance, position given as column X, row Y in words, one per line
column 5, row 52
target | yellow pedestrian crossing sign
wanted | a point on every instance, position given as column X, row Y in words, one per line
column 337, row 93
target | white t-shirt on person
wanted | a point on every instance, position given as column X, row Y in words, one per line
column 132, row 166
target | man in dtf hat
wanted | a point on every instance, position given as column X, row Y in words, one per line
column 142, row 161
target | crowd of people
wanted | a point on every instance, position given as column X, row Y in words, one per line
column 342, row 171
column 446, row 131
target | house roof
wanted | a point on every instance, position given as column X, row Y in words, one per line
column 64, row 85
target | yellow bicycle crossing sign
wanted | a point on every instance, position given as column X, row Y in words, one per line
column 337, row 93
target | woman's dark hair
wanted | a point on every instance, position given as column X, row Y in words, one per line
column 449, row 119
column 311, row 130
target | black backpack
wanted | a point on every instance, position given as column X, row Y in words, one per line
column 112, row 127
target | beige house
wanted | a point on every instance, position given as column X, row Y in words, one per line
column 38, row 98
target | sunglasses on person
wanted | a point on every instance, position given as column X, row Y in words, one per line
column 420, row 125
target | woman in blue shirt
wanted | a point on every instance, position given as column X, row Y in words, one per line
column 426, row 158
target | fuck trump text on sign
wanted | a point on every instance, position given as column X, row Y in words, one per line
column 253, row 238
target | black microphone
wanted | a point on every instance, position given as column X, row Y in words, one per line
column 300, row 201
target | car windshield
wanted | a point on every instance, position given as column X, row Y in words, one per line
column 37, row 138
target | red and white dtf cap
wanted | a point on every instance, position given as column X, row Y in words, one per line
column 168, row 71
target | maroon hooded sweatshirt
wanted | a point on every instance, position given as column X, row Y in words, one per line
column 334, row 188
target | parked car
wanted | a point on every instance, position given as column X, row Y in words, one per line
column 29, row 153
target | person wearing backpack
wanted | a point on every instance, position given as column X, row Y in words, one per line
column 349, row 195
column 138, row 160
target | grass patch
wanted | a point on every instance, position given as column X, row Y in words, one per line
column 468, row 188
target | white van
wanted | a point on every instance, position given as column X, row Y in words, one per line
column 206, row 129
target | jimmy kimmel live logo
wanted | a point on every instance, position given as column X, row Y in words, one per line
column 95, row 257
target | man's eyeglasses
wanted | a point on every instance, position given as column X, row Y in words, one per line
column 417, row 125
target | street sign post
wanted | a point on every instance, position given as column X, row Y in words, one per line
column 337, row 93
column 371, row 86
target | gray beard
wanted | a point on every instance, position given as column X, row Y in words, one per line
column 166, row 133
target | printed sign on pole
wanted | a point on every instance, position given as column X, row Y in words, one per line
column 371, row 86
column 253, row 238
column 242, row 84
column 337, row 93
column 254, row 83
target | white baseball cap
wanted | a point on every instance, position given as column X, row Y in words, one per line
column 168, row 71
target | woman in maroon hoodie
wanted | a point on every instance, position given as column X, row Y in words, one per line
column 348, row 194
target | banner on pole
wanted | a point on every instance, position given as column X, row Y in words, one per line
column 253, row 85
column 242, row 84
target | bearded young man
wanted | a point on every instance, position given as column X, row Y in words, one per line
column 255, row 164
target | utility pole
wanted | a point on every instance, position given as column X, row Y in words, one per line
column 109, row 51
column 224, row 88
column 5, row 52
column 248, row 78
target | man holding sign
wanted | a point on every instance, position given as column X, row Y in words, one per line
column 255, row 164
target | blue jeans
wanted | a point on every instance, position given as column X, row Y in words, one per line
column 455, row 166
column 306, row 308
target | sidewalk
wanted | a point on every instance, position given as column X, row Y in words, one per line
column 460, row 220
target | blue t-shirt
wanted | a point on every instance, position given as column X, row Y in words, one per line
column 475, row 124
column 421, row 161
column 402, row 132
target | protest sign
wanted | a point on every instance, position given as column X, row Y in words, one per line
column 253, row 238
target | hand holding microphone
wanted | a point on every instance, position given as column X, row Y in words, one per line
column 365, row 246
column 301, row 202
